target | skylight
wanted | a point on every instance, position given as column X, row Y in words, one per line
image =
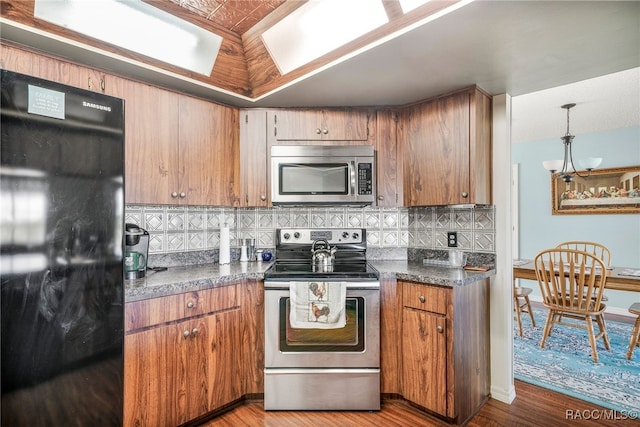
column 136, row 26
column 318, row 27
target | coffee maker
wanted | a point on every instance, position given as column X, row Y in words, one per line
column 136, row 251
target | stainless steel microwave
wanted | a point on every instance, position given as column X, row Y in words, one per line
column 322, row 175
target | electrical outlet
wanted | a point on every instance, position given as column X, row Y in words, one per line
column 452, row 239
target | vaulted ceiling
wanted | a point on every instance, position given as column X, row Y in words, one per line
column 515, row 47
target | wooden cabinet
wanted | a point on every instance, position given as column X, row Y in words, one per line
column 180, row 368
column 390, row 334
column 43, row 66
column 388, row 161
column 209, row 153
column 179, row 149
column 445, row 348
column 251, row 298
column 253, row 158
column 446, row 144
column 151, row 145
column 424, row 348
column 313, row 126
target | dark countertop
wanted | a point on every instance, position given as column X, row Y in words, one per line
column 176, row 280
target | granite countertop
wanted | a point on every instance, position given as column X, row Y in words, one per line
column 176, row 280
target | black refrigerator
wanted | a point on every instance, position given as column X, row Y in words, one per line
column 61, row 246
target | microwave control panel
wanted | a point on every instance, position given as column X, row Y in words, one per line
column 365, row 178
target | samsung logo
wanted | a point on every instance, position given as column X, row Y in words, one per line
column 96, row 106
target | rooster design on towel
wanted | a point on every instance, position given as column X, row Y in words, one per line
column 318, row 290
column 319, row 311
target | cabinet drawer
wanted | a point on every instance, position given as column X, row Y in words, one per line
column 140, row 314
column 424, row 297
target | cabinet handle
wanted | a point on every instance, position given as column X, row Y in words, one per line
column 195, row 331
column 183, row 195
column 440, row 329
column 380, row 197
column 263, row 197
column 174, row 194
column 421, row 298
column 325, row 131
column 190, row 304
column 465, row 194
column 318, row 131
column 103, row 85
column 185, row 334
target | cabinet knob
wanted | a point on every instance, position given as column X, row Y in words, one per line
column 183, row 195
column 318, row 131
column 186, row 334
column 465, row 194
column 195, row 331
column 325, row 131
column 174, row 194
column 190, row 304
column 380, row 197
column 263, row 197
column 421, row 298
column 440, row 329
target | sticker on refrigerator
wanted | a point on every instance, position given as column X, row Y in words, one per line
column 46, row 102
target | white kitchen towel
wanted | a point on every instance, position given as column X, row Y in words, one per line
column 317, row 305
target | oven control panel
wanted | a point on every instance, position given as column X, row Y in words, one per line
column 333, row 236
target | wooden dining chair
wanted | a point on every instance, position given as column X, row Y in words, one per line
column 571, row 283
column 521, row 304
column 635, row 334
column 597, row 249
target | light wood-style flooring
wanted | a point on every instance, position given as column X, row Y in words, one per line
column 533, row 406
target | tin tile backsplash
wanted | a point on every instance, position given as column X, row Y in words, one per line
column 175, row 229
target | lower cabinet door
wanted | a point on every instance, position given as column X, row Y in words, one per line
column 211, row 365
column 179, row 372
column 424, row 367
column 151, row 376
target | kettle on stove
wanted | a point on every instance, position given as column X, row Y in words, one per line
column 136, row 251
column 322, row 259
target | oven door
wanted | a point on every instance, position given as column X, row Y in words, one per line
column 356, row 345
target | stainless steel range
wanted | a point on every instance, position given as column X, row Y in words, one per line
column 322, row 323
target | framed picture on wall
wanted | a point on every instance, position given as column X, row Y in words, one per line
column 605, row 191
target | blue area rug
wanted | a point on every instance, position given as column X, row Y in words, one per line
column 565, row 364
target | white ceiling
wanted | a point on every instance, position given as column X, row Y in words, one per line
column 515, row 47
column 602, row 103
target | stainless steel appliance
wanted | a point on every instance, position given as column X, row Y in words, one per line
column 61, row 254
column 136, row 251
column 322, row 175
column 322, row 369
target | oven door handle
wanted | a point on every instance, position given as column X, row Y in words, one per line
column 323, row 371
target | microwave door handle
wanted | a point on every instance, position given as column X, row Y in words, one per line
column 353, row 177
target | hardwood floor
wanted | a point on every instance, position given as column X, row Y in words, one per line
column 533, row 406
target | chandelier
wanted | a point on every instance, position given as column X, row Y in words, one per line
column 565, row 167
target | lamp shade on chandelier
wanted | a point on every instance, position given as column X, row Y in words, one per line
column 565, row 167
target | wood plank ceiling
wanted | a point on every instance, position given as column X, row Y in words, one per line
column 243, row 65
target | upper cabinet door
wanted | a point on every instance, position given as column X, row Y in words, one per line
column 253, row 158
column 151, row 145
column 209, row 152
column 318, row 125
column 446, row 146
